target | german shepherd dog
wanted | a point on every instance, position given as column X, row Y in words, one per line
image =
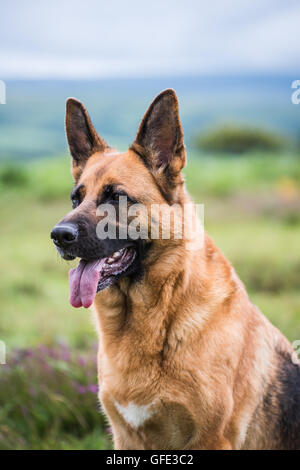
column 185, row 360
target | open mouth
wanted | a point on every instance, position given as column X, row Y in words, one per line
column 91, row 276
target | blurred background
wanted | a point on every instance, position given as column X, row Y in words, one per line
column 232, row 65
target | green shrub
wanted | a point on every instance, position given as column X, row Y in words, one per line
column 234, row 139
column 13, row 175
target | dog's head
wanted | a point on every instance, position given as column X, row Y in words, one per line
column 112, row 190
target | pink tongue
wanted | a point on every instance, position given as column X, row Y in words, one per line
column 83, row 282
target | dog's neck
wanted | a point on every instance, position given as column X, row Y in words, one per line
column 152, row 308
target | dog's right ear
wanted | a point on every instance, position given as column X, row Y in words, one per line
column 82, row 137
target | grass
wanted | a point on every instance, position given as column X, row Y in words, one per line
column 225, row 175
column 252, row 213
column 57, row 407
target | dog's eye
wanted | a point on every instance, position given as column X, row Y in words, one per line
column 75, row 202
column 111, row 195
column 77, row 196
column 115, row 196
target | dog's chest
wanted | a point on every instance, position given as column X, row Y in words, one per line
column 158, row 424
column 135, row 415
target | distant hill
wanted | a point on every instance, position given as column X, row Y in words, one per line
column 32, row 121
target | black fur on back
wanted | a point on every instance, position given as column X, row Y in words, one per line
column 289, row 402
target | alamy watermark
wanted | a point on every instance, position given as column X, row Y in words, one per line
column 154, row 222
column 2, row 92
column 296, row 94
column 296, row 353
column 2, row 353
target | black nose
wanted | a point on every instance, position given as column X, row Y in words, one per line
column 64, row 235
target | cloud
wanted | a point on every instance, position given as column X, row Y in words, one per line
column 75, row 39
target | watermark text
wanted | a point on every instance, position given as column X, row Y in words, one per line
column 2, row 92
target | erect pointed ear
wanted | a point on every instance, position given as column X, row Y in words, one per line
column 82, row 137
column 160, row 138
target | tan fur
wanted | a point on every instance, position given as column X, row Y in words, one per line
column 183, row 343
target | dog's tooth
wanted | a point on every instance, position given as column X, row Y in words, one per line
column 116, row 254
column 110, row 260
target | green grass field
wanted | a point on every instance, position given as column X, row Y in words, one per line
column 48, row 394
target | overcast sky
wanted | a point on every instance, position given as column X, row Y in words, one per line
column 117, row 38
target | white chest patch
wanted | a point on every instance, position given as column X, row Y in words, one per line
column 134, row 414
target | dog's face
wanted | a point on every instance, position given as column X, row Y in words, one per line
column 108, row 186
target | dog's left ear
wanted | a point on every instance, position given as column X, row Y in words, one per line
column 159, row 140
column 82, row 137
